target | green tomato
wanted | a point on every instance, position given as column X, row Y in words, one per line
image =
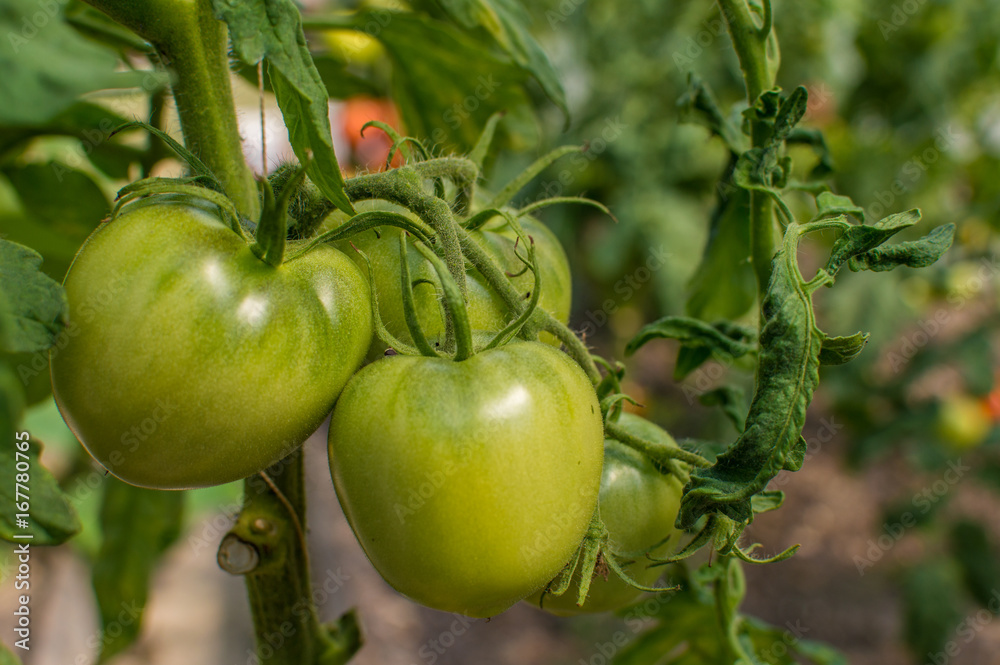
column 639, row 505
column 469, row 484
column 487, row 310
column 190, row 361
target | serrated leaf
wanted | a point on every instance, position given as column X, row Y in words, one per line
column 272, row 29
column 914, row 254
column 47, row 67
column 840, row 350
column 35, row 309
column 829, row 204
column 52, row 519
column 698, row 106
column 446, row 85
column 860, row 239
column 509, row 23
column 723, row 286
column 138, row 525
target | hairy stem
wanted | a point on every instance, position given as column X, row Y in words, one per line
column 759, row 68
column 540, row 319
column 193, row 44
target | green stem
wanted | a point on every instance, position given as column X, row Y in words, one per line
column 759, row 67
column 729, row 585
column 267, row 546
column 194, row 45
column 540, row 319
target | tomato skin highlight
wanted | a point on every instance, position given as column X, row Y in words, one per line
column 468, row 484
column 190, row 362
column 638, row 506
column 487, row 311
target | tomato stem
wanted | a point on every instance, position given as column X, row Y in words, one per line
column 267, row 546
column 757, row 50
column 193, row 44
column 540, row 319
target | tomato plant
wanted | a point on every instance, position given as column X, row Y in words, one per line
column 216, row 317
column 199, row 344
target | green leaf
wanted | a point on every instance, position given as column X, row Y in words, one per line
column 756, row 169
column 698, row 106
column 932, row 606
column 723, row 286
column 138, row 525
column 723, row 337
column 860, row 239
column 732, row 401
column 508, row 23
column 446, row 85
column 979, row 559
column 52, row 519
column 272, row 29
column 829, row 204
column 840, row 350
column 46, row 64
column 787, row 375
column 915, row 254
column 35, row 311
column 790, row 113
column 766, row 501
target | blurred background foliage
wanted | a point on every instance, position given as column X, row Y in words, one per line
column 906, row 92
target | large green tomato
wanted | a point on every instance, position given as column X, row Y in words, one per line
column 487, row 310
column 192, row 362
column 469, row 484
column 638, row 506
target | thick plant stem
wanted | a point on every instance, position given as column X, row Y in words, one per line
column 267, row 546
column 751, row 43
column 193, row 44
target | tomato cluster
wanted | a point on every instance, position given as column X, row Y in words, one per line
column 469, row 472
